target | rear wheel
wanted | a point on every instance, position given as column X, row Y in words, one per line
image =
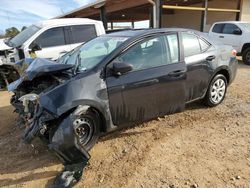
column 216, row 91
column 246, row 56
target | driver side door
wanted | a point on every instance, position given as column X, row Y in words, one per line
column 52, row 43
column 155, row 86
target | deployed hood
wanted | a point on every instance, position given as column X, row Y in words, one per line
column 42, row 66
column 39, row 67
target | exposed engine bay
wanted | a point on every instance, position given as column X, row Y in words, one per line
column 41, row 75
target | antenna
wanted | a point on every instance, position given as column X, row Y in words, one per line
column 8, row 18
column 61, row 10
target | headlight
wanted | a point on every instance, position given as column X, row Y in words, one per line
column 26, row 99
column 29, row 97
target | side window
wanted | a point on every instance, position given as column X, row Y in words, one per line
column 204, row 45
column 51, row 37
column 217, row 28
column 173, row 48
column 191, row 44
column 229, row 28
column 82, row 33
column 152, row 52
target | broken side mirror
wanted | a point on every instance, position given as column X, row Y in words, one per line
column 35, row 47
column 120, row 68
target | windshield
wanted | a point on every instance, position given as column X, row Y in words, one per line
column 93, row 52
column 19, row 39
column 246, row 26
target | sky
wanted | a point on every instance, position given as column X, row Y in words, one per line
column 19, row 13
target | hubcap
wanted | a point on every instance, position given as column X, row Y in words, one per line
column 218, row 91
column 83, row 130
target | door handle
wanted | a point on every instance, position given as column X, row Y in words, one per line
column 176, row 73
column 221, row 37
column 210, row 58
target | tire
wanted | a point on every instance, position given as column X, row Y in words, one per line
column 87, row 128
column 216, row 91
column 246, row 56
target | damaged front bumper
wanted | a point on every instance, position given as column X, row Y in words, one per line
column 60, row 137
column 57, row 132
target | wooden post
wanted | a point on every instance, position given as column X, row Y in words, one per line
column 204, row 15
column 103, row 17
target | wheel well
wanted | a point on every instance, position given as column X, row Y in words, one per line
column 102, row 118
column 225, row 73
column 94, row 110
column 245, row 46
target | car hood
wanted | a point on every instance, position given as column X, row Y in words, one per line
column 42, row 66
column 3, row 46
column 39, row 67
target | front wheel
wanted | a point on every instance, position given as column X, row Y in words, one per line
column 87, row 128
column 246, row 56
column 216, row 91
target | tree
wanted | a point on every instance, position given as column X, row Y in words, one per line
column 23, row 28
column 11, row 32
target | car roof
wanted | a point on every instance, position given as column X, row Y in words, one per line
column 138, row 32
column 66, row 21
column 233, row 22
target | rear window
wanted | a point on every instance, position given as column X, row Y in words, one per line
column 204, row 45
column 191, row 44
column 82, row 33
column 217, row 28
column 229, row 28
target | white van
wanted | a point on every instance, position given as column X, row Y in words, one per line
column 52, row 38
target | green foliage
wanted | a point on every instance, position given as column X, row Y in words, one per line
column 11, row 32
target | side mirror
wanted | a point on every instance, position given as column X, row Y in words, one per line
column 237, row 32
column 120, row 68
column 35, row 47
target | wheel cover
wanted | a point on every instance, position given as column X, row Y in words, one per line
column 83, row 130
column 218, row 91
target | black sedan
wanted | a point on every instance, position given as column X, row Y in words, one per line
column 120, row 79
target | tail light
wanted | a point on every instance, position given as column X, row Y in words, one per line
column 234, row 53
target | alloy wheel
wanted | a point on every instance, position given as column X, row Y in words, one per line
column 218, row 91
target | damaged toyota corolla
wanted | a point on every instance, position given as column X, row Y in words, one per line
column 120, row 79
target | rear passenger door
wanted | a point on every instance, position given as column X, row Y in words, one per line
column 155, row 86
column 229, row 37
column 198, row 57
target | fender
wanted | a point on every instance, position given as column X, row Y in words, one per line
column 223, row 67
column 65, row 144
column 83, row 90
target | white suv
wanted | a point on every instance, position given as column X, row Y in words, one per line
column 236, row 34
column 52, row 38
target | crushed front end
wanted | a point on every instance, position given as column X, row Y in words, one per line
column 60, row 136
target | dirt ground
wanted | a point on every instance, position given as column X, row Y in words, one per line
column 200, row 147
